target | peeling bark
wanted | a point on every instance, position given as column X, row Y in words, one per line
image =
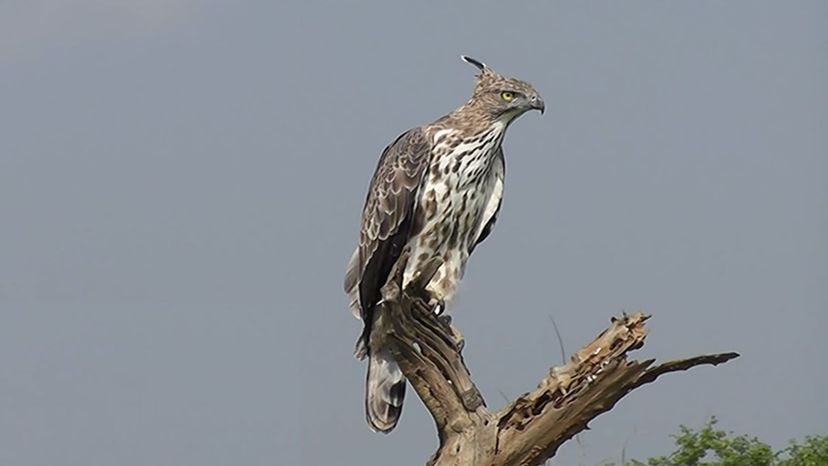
column 530, row 429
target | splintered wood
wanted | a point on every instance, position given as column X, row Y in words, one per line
column 529, row 430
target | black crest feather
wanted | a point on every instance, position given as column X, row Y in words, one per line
column 479, row 64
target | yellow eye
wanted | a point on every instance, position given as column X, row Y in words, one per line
column 507, row 96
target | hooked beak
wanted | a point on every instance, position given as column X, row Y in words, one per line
column 537, row 103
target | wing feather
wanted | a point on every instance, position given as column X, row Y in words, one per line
column 493, row 205
column 386, row 220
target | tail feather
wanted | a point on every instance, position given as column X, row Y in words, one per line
column 384, row 392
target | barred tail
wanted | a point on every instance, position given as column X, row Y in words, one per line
column 384, row 392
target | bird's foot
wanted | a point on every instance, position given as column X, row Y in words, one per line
column 438, row 307
column 459, row 341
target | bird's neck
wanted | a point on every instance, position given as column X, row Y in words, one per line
column 470, row 121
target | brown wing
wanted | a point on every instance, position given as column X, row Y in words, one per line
column 495, row 200
column 386, row 219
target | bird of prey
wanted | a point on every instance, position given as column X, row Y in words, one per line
column 437, row 189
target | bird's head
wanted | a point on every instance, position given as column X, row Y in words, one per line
column 500, row 97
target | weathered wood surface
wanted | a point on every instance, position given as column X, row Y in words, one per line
column 530, row 429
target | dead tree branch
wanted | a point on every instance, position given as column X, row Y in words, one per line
column 531, row 428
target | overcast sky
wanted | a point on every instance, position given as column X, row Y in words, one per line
column 181, row 184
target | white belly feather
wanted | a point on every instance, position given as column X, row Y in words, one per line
column 460, row 194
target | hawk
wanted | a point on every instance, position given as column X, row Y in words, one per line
column 437, row 189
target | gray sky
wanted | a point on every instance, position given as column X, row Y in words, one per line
column 181, row 182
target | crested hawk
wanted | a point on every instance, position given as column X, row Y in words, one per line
column 437, row 189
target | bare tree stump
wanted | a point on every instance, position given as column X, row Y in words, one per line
column 530, row 429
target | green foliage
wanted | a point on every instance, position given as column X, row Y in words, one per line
column 812, row 452
column 710, row 446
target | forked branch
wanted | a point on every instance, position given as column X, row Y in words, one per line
column 530, row 429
